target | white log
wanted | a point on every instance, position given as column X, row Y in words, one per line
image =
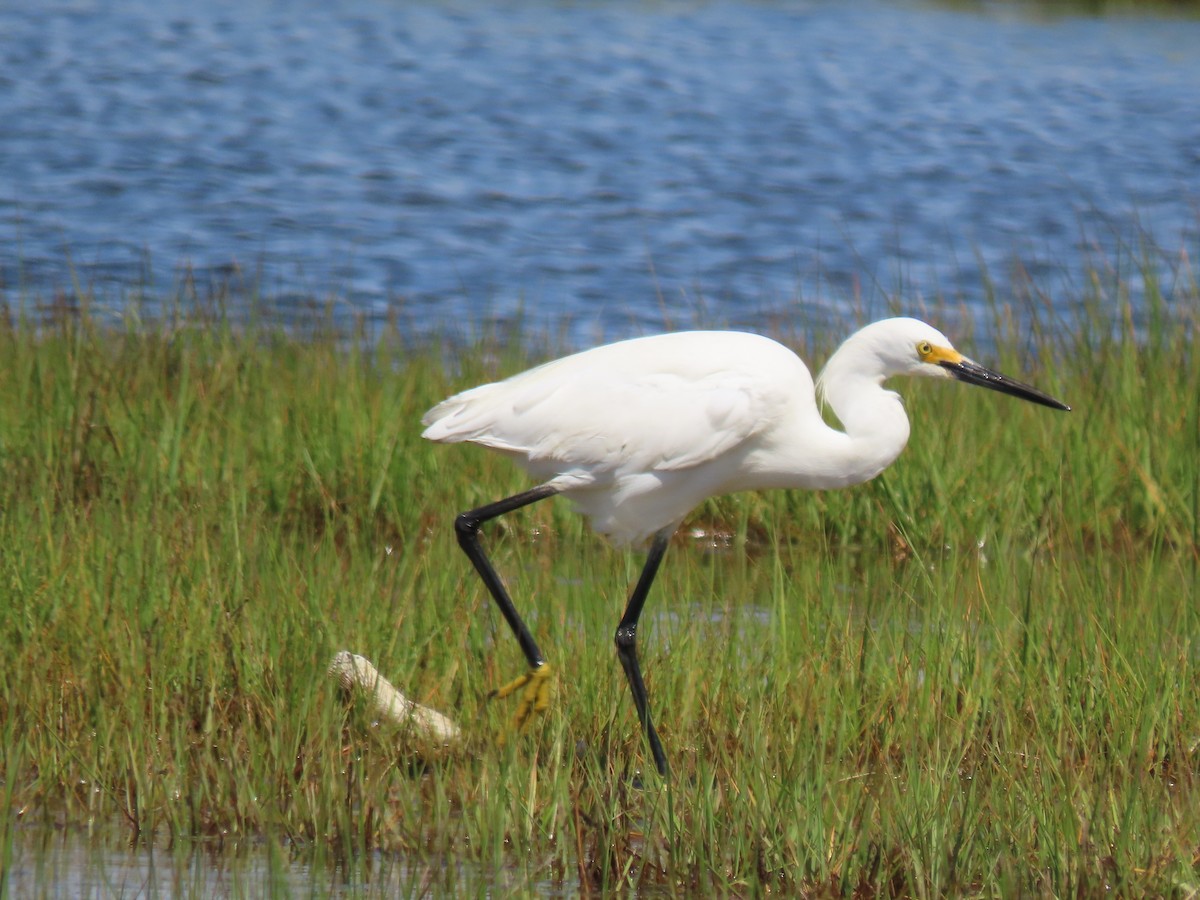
column 355, row 673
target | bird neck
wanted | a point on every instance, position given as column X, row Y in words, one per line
column 875, row 425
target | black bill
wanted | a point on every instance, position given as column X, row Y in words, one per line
column 973, row 373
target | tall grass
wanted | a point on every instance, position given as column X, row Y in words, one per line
column 976, row 674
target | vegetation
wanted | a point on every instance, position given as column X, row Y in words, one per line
column 974, row 675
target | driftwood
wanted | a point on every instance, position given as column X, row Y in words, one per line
column 356, row 675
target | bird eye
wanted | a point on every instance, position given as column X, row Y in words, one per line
column 924, row 349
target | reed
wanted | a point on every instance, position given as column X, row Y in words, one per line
column 974, row 675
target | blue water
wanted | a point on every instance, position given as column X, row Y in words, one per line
column 620, row 165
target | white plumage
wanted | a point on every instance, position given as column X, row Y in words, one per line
column 639, row 432
column 635, row 433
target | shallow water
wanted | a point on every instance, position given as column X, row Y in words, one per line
column 621, row 165
column 50, row 862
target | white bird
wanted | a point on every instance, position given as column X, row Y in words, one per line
column 638, row 433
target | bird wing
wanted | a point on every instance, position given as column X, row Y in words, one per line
column 598, row 421
column 652, row 422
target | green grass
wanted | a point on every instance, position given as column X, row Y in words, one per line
column 974, row 675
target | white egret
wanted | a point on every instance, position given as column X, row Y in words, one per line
column 638, row 433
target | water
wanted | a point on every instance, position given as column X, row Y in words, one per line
column 620, row 165
column 49, row 862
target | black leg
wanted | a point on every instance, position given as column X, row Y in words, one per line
column 467, row 528
column 626, row 640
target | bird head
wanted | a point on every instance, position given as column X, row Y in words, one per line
column 904, row 346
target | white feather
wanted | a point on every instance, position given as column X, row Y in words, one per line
column 639, row 432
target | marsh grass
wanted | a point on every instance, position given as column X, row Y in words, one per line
column 974, row 675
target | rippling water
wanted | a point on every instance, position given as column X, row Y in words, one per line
column 616, row 164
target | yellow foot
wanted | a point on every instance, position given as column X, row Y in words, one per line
column 534, row 686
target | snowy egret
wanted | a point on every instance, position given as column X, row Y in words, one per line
column 638, row 433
